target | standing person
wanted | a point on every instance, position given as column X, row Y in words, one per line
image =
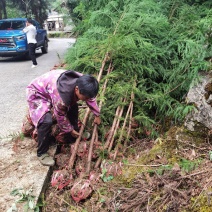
column 31, row 33
column 59, row 90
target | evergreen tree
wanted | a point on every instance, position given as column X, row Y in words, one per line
column 158, row 45
column 32, row 8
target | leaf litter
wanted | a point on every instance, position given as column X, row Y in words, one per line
column 170, row 175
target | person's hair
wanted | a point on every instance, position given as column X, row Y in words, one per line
column 29, row 20
column 88, row 85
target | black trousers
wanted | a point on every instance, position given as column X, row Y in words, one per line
column 32, row 47
column 44, row 129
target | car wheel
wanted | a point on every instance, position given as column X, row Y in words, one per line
column 44, row 49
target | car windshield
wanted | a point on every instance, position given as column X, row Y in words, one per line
column 11, row 25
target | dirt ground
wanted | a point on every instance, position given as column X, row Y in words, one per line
column 162, row 175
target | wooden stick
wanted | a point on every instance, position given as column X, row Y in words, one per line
column 122, row 131
column 102, row 67
column 197, row 173
column 110, row 68
column 108, row 138
column 142, row 165
column 112, row 129
column 130, row 126
column 116, row 127
column 76, row 145
column 109, row 142
column 91, row 149
column 95, row 132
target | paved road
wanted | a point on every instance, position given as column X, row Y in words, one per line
column 15, row 75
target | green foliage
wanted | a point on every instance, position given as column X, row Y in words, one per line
column 14, row 136
column 159, row 45
column 160, row 170
column 24, row 196
column 188, row 165
column 27, row 8
column 104, row 177
column 202, row 203
column 13, row 12
column 62, row 8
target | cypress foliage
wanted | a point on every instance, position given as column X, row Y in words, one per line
column 158, row 45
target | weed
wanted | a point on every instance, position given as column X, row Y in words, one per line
column 14, row 136
column 188, row 165
column 104, row 176
column 24, row 196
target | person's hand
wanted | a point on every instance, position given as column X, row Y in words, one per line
column 97, row 120
column 74, row 133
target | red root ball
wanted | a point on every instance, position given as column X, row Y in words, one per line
column 94, row 177
column 35, row 135
column 62, row 160
column 82, row 149
column 80, row 167
column 81, row 190
column 61, row 178
column 28, row 126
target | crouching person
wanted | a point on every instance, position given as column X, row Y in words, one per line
column 59, row 91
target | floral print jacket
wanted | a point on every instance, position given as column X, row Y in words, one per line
column 55, row 90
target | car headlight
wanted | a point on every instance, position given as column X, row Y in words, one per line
column 21, row 37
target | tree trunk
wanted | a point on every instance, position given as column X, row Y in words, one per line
column 0, row 12
column 3, row 10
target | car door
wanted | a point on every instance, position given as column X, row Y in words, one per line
column 39, row 36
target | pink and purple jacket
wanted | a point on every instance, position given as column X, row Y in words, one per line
column 55, row 89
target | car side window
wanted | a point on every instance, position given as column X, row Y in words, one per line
column 38, row 26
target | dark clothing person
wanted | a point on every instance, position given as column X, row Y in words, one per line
column 32, row 48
